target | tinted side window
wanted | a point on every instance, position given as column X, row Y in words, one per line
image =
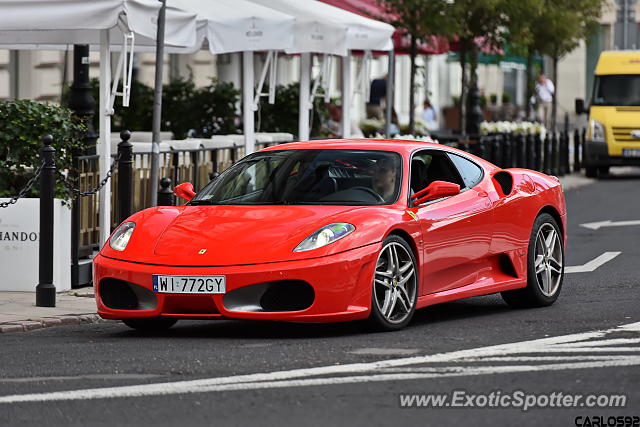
column 470, row 172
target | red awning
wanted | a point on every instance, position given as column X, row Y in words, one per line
column 369, row 8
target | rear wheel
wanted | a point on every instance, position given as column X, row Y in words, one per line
column 545, row 266
column 154, row 324
column 395, row 286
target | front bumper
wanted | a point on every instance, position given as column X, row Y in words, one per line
column 341, row 285
column 596, row 153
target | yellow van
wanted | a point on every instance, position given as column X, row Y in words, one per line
column 613, row 132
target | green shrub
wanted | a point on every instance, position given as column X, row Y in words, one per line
column 210, row 110
column 283, row 115
column 23, row 123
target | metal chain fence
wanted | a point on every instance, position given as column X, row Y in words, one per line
column 29, row 185
column 71, row 188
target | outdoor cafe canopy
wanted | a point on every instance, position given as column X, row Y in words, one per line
column 311, row 35
column 55, row 24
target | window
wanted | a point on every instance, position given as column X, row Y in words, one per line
column 430, row 166
column 316, row 177
column 470, row 172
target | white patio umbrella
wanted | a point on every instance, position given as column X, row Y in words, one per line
column 325, row 29
column 241, row 26
column 53, row 24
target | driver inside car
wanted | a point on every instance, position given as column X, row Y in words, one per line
column 384, row 178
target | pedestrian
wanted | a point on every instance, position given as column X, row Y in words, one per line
column 377, row 94
column 544, row 91
column 429, row 115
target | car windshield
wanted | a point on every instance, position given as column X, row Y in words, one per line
column 619, row 90
column 323, row 177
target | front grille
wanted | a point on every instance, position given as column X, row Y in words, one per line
column 623, row 135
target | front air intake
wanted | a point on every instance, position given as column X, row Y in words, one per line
column 120, row 295
column 278, row 296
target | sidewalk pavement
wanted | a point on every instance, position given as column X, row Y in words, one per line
column 575, row 180
column 18, row 312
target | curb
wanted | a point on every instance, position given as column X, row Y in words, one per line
column 47, row 322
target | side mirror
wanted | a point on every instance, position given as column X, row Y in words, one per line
column 580, row 107
column 185, row 191
column 435, row 190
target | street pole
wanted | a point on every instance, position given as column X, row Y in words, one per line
column 625, row 36
column 157, row 108
column 81, row 99
column 46, row 290
column 391, row 79
column 83, row 104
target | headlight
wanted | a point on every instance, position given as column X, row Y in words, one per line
column 597, row 131
column 327, row 234
column 120, row 238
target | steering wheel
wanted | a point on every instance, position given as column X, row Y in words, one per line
column 371, row 192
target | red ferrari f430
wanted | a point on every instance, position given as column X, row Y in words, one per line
column 338, row 230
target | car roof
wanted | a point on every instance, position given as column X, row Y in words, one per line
column 398, row 145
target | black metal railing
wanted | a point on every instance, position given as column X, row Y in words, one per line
column 550, row 153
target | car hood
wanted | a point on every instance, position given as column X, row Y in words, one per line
column 237, row 235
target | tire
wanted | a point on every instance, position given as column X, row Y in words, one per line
column 394, row 288
column 153, row 324
column 603, row 170
column 542, row 290
column 591, row 171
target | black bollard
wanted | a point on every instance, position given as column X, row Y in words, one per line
column 504, row 151
column 496, row 150
column 538, row 149
column 530, row 151
column 566, row 156
column 555, row 154
column 563, row 155
column 521, row 150
column 576, row 151
column 46, row 290
column 479, row 148
column 125, row 176
column 546, row 154
column 165, row 194
column 509, row 154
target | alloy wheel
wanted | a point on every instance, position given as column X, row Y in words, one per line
column 395, row 284
column 548, row 261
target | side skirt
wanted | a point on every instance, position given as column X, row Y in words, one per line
column 484, row 287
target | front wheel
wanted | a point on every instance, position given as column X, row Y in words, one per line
column 545, row 266
column 157, row 324
column 395, row 286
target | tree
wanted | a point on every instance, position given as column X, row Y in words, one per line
column 477, row 23
column 522, row 20
column 417, row 19
column 559, row 28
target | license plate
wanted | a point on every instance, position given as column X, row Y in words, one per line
column 189, row 284
column 631, row 152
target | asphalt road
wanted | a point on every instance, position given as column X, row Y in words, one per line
column 587, row 343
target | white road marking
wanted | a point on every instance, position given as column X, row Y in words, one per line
column 384, row 370
column 609, row 223
column 593, row 264
column 374, row 351
column 81, row 377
